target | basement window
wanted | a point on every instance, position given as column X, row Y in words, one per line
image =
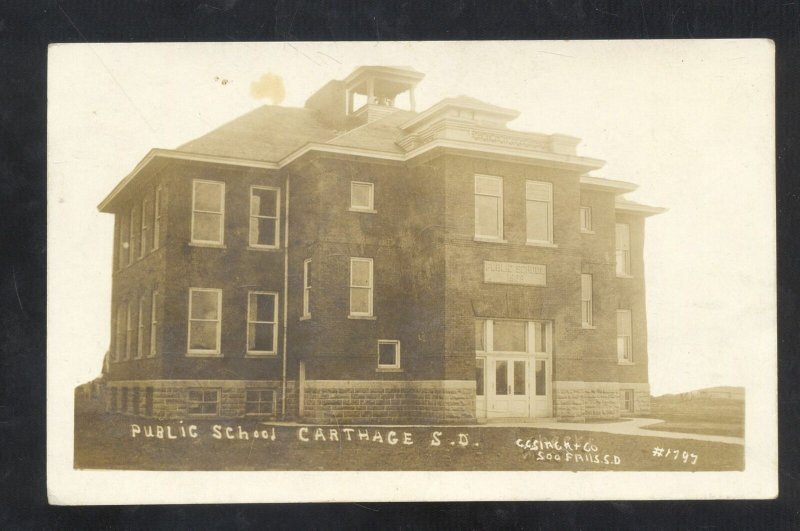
column 388, row 354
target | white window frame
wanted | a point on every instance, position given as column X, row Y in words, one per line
column 627, row 339
column 548, row 186
column 260, row 390
column 204, row 352
column 131, row 237
column 587, row 301
column 255, row 217
column 369, row 208
column 129, row 331
column 145, row 228
column 153, row 324
column 120, row 330
column 307, row 288
column 276, row 306
column 203, row 391
column 586, row 220
column 622, row 255
column 530, row 340
column 370, row 286
column 396, row 343
column 157, row 218
column 499, row 198
column 140, row 330
column 221, row 214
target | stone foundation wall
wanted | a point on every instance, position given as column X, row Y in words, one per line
column 170, row 398
column 580, row 401
column 389, row 402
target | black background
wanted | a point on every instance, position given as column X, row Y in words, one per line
column 26, row 28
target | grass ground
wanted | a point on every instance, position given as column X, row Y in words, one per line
column 698, row 415
column 105, row 441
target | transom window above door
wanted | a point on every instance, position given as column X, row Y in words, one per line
column 506, row 335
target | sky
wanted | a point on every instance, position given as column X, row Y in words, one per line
column 690, row 122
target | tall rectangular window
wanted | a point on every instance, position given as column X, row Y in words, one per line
column 489, row 207
column 145, row 228
column 539, row 211
column 153, row 324
column 262, row 322
column 624, row 346
column 129, row 332
column 205, row 312
column 388, row 354
column 586, row 219
column 626, row 400
column 120, row 336
column 623, row 246
column 361, row 286
column 362, row 196
column 208, row 212
column 132, row 237
column 122, row 249
column 587, row 318
column 264, row 222
column 140, row 346
column 157, row 219
column 307, row 288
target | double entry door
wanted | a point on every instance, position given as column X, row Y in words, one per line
column 516, row 386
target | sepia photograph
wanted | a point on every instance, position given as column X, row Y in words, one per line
column 411, row 271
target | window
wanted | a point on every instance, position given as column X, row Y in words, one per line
column 132, row 237
column 626, row 400
column 140, row 336
column 135, row 399
column 208, row 212
column 203, row 402
column 388, row 354
column 124, row 400
column 129, row 332
column 307, row 288
column 262, row 323
column 153, row 324
column 587, row 318
column 204, row 320
column 145, row 227
column 148, row 401
column 623, row 249
column 479, row 376
column 113, row 400
column 264, row 222
column 489, row 207
column 361, row 286
column 120, row 338
column 586, row 219
column 509, row 336
column 624, row 348
column 122, row 252
column 157, row 219
column 259, row 402
column 362, row 196
column 539, row 211
column 541, row 378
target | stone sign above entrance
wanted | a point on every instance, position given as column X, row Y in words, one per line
column 514, row 273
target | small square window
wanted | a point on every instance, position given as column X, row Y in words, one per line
column 259, row 402
column 203, row 402
column 362, row 196
column 389, row 354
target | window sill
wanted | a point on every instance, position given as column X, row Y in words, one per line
column 210, row 245
column 261, row 355
column 363, row 210
column 489, row 240
column 362, row 317
column 388, row 369
column 203, row 355
column 586, row 231
column 267, row 249
column 625, row 363
column 624, row 276
column 542, row 244
column 305, row 318
column 588, row 327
